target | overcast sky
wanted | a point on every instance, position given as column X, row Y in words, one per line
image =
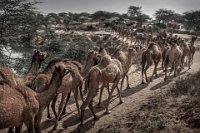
column 121, row 6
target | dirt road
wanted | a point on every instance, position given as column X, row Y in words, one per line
column 133, row 98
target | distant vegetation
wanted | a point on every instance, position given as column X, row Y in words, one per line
column 23, row 29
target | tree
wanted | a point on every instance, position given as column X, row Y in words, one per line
column 192, row 20
column 163, row 15
column 17, row 27
column 101, row 15
column 142, row 18
column 134, row 11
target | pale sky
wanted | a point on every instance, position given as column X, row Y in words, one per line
column 121, row 6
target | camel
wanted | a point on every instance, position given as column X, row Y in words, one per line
column 126, row 59
column 150, row 56
column 37, row 59
column 92, row 60
column 164, row 52
column 186, row 54
column 72, row 83
column 173, row 57
column 192, row 48
column 52, row 88
column 107, row 71
column 19, row 104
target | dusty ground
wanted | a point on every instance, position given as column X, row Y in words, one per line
column 133, row 98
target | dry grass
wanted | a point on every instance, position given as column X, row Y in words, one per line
column 177, row 110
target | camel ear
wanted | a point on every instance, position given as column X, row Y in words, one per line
column 36, row 51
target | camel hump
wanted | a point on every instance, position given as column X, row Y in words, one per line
column 116, row 51
column 8, row 76
column 151, row 45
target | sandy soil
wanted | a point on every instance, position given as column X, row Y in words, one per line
column 133, row 98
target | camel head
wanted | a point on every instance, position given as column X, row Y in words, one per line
column 40, row 56
column 61, row 70
column 51, row 64
column 102, row 51
column 132, row 52
column 92, row 57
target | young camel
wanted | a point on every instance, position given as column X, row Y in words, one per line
column 107, row 71
column 150, row 56
column 19, row 104
column 173, row 57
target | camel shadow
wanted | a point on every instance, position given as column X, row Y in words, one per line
column 170, row 79
column 161, row 84
column 133, row 90
column 86, row 127
column 75, row 119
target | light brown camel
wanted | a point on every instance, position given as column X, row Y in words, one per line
column 173, row 58
column 150, row 56
column 186, row 54
column 192, row 48
column 126, row 59
column 72, row 83
column 19, row 104
column 56, row 81
column 37, row 59
column 107, row 71
column 77, row 78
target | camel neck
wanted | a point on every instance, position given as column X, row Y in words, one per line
column 33, row 70
column 46, row 96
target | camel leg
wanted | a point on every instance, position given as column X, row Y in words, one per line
column 155, row 70
column 64, row 109
column 122, row 82
column 30, row 126
column 76, row 99
column 92, row 109
column 100, row 96
column 110, row 96
column 81, row 93
column 38, row 121
column 18, row 129
column 61, row 106
column 166, row 66
column 120, row 96
column 84, row 105
column 189, row 62
column 182, row 61
column 128, row 86
column 145, row 72
column 108, row 88
column 53, row 105
column 10, row 130
column 48, row 112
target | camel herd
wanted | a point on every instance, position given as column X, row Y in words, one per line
column 23, row 98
